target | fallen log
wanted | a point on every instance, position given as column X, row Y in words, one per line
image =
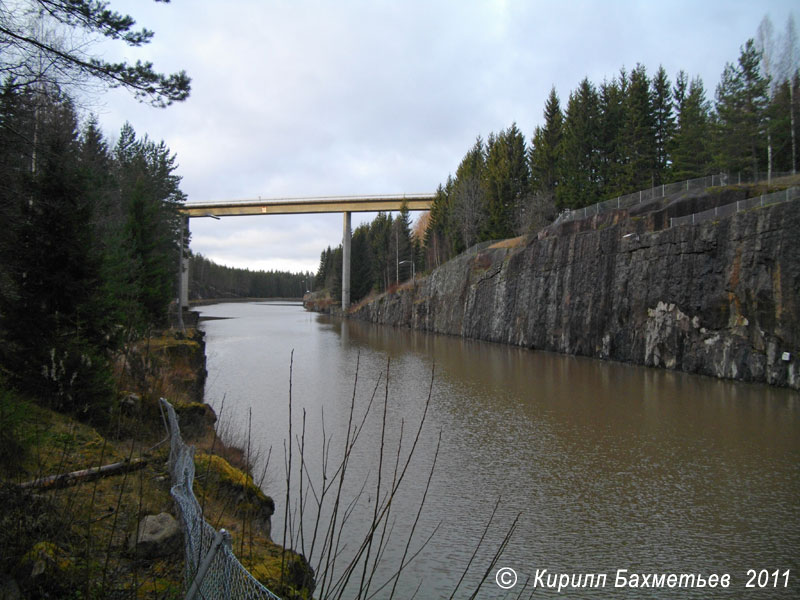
column 54, row 482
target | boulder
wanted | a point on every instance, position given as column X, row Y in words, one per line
column 9, row 590
column 156, row 536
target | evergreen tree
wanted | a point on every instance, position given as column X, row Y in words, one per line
column 640, row 132
column 36, row 58
column 545, row 146
column 690, row 144
column 401, row 231
column 741, row 111
column 53, row 325
column 612, row 156
column 151, row 197
column 780, row 111
column 334, row 280
column 322, row 271
column 580, row 165
column 383, row 265
column 506, row 181
column 467, row 207
column 361, row 281
column 435, row 244
column 664, row 123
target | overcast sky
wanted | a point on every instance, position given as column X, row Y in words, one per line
column 295, row 98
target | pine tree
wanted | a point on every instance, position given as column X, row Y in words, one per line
column 400, row 242
column 612, row 156
column 741, row 110
column 780, row 111
column 53, row 326
column 322, row 271
column 690, row 149
column 151, row 198
column 506, row 181
column 435, row 243
column 640, row 132
column 579, row 149
column 361, row 281
column 35, row 58
column 545, row 146
column 664, row 123
column 467, row 208
column 382, row 250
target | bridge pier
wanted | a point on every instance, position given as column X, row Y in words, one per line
column 346, row 235
column 183, row 263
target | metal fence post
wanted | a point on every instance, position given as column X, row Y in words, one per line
column 206, row 564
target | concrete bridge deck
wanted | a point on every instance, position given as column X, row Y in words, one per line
column 320, row 204
column 298, row 206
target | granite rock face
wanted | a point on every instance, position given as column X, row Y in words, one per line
column 720, row 298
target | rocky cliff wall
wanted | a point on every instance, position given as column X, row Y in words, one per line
column 720, row 298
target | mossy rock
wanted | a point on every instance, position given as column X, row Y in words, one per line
column 47, row 570
column 195, row 419
column 298, row 580
column 216, row 475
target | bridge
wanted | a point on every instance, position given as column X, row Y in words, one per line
column 299, row 206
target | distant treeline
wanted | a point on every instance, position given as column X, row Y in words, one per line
column 209, row 280
column 381, row 255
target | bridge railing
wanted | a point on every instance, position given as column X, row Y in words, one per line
column 309, row 199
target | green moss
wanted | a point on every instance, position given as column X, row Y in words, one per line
column 297, row 582
column 50, row 553
column 212, row 470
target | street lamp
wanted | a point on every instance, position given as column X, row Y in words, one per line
column 403, row 262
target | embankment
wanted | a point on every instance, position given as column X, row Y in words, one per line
column 719, row 298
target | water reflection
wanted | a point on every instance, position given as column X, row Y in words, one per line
column 610, row 465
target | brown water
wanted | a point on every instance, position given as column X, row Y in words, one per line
column 609, row 466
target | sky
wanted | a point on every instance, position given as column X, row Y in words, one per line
column 298, row 98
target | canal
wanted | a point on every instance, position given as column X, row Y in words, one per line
column 602, row 466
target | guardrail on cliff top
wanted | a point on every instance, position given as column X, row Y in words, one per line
column 660, row 191
column 718, row 212
column 211, row 569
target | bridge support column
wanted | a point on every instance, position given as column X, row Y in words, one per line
column 184, row 264
column 346, row 234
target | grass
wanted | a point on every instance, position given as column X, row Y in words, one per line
column 74, row 542
column 509, row 243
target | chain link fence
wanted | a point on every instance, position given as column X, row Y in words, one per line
column 726, row 210
column 211, row 569
column 661, row 191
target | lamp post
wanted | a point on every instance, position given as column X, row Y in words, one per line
column 402, row 262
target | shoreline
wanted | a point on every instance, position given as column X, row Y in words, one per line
column 715, row 299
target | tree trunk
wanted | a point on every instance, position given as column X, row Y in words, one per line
column 53, row 482
column 791, row 120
